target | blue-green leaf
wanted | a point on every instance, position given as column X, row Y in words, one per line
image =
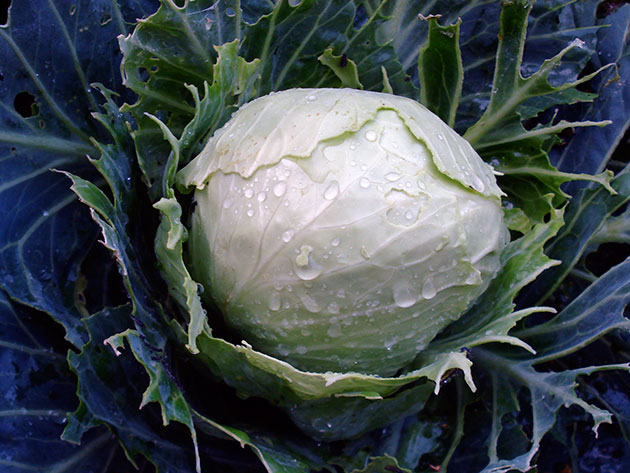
column 38, row 393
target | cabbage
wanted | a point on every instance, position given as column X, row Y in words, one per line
column 341, row 230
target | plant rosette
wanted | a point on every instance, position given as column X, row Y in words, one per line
column 338, row 232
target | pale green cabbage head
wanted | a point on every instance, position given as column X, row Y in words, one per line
column 341, row 230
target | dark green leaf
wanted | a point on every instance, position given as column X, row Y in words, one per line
column 45, row 123
column 548, row 393
column 38, row 393
column 596, row 311
column 591, row 148
column 382, row 464
column 110, row 390
column 440, row 70
column 585, row 215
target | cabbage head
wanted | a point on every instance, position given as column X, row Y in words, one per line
column 341, row 230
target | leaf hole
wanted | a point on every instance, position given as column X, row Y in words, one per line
column 621, row 155
column 25, row 104
column 361, row 17
column 607, row 256
column 608, row 7
column 5, row 6
column 143, row 74
column 621, row 210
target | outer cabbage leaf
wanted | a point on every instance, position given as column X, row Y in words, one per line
column 500, row 137
column 598, row 310
column 282, row 43
column 44, row 119
column 587, row 213
column 591, row 148
column 39, row 393
column 440, row 70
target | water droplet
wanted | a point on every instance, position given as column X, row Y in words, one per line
column 333, row 308
column 364, row 182
column 409, row 215
column 341, row 294
column 404, row 296
column 274, row 301
column 261, row 196
column 371, row 135
column 288, row 235
column 227, row 203
column 428, row 289
column 301, row 350
column 230, row 12
column 389, row 344
column 392, row 176
column 334, row 331
column 45, row 213
column 477, row 183
column 310, row 304
column 335, row 241
column 250, row 213
column 311, row 97
column 440, row 137
column 249, row 192
column 364, row 252
column 283, row 350
column 331, row 191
